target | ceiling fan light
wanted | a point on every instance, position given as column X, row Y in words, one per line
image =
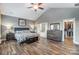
column 35, row 6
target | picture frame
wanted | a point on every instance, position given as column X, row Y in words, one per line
column 21, row 22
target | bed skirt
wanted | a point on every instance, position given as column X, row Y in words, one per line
column 30, row 40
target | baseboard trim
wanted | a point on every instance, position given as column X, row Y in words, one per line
column 75, row 42
column 43, row 37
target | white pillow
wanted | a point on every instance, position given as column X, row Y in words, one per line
column 19, row 31
column 26, row 31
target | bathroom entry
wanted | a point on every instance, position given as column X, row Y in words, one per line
column 68, row 29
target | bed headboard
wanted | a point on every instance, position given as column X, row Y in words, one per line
column 20, row 29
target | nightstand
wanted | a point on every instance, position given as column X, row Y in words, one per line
column 10, row 36
column 2, row 41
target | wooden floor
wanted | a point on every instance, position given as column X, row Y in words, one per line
column 42, row 47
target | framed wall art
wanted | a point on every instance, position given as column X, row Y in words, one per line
column 21, row 22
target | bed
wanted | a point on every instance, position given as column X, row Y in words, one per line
column 24, row 35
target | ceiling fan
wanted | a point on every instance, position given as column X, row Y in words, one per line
column 36, row 6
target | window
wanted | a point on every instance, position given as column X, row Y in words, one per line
column 43, row 27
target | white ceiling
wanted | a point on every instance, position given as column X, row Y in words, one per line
column 21, row 10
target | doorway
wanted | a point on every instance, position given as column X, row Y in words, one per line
column 69, row 32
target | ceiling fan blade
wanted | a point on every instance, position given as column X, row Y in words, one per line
column 39, row 3
column 29, row 7
column 41, row 8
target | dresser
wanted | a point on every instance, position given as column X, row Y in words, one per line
column 55, row 35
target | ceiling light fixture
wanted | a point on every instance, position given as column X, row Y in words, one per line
column 36, row 6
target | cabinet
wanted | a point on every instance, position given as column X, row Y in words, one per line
column 10, row 36
column 55, row 35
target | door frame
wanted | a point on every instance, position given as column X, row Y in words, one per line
column 69, row 19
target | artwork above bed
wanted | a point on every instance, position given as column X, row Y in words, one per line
column 21, row 22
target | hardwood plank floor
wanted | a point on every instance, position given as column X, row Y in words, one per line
column 42, row 47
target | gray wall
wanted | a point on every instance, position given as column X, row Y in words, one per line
column 57, row 15
column 0, row 25
column 13, row 21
